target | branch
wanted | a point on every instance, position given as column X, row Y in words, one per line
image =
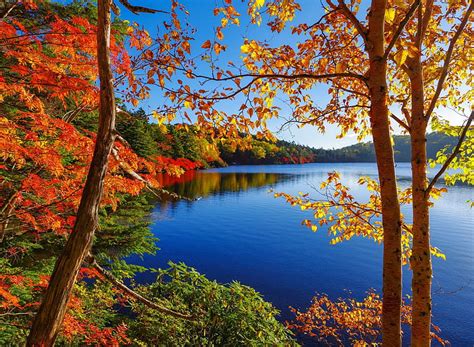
column 257, row 77
column 453, row 154
column 7, row 11
column 125, row 167
column 111, row 278
column 400, row 122
column 447, row 60
column 17, row 314
column 426, row 17
column 400, row 28
column 352, row 18
column 322, row 18
column 138, row 9
column 286, row 77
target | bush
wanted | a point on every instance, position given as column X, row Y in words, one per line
column 226, row 315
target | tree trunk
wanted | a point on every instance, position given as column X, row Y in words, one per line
column 6, row 214
column 53, row 306
column 379, row 118
column 420, row 260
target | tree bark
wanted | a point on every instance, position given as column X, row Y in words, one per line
column 391, row 220
column 6, row 214
column 420, row 260
column 54, row 304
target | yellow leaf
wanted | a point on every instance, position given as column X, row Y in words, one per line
column 390, row 15
column 188, row 104
column 401, row 57
column 259, row 3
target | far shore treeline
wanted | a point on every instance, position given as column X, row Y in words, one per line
column 151, row 140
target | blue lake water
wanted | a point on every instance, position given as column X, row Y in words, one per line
column 239, row 231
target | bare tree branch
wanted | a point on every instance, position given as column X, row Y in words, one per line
column 139, row 9
column 447, row 60
column 287, row 77
column 453, row 154
column 128, row 291
column 7, row 10
column 400, row 122
column 400, row 28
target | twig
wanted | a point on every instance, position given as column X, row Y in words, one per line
column 453, row 154
column 447, row 60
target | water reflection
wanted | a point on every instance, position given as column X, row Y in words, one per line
column 195, row 184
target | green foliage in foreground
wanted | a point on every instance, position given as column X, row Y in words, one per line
column 226, row 315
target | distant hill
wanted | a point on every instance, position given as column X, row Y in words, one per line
column 364, row 152
column 149, row 140
column 284, row 152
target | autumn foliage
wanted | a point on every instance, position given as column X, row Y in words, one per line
column 348, row 321
column 398, row 67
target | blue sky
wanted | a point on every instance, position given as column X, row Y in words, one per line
column 202, row 19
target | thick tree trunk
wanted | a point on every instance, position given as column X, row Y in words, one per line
column 379, row 117
column 421, row 258
column 53, row 306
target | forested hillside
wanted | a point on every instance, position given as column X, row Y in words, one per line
column 172, row 141
column 284, row 152
column 364, row 152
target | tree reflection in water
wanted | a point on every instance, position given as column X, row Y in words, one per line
column 199, row 184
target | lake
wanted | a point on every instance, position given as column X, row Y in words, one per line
column 238, row 231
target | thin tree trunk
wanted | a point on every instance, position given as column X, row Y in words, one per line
column 53, row 306
column 6, row 214
column 379, row 117
column 421, row 258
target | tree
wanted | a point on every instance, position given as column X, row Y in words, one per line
column 50, row 315
column 425, row 31
column 409, row 35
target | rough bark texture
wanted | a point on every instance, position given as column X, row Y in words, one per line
column 53, row 306
column 421, row 258
column 379, row 117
